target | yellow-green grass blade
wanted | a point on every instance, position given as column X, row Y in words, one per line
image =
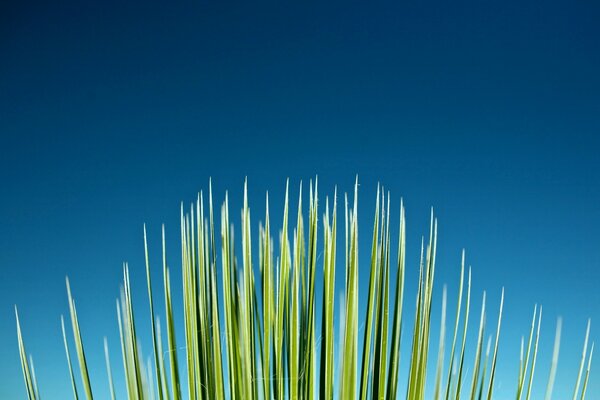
column 172, row 346
column 523, row 367
column 414, row 357
column 248, row 339
column 111, row 386
column 398, row 303
column 464, row 340
column 282, row 287
column 308, row 326
column 189, row 307
column 478, row 352
column 426, row 305
column 33, row 378
column 583, row 356
column 79, row 345
column 349, row 367
column 214, row 319
column 494, row 357
column 554, row 364
column 27, row 376
column 440, row 362
column 129, row 383
column 135, row 363
column 485, row 365
column 587, row 373
column 219, row 395
column 535, row 350
column 67, row 352
column 266, row 265
column 381, row 332
column 327, row 355
column 371, row 303
column 456, row 324
column 152, row 318
column 294, row 341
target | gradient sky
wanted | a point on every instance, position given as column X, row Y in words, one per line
column 112, row 113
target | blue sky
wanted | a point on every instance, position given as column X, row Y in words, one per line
column 111, row 114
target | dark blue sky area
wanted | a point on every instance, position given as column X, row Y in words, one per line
column 112, row 113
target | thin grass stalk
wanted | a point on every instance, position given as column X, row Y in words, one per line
column 398, row 302
column 67, row 352
column 456, row 324
column 535, row 350
column 587, row 373
column 464, row 340
column 416, row 343
column 27, row 376
column 327, row 325
column 152, row 318
column 440, row 358
column 248, row 303
column 214, row 320
column 308, row 371
column 161, row 358
column 523, row 368
column 494, row 358
column 583, row 356
column 295, row 306
column 172, row 349
column 485, row 365
column 427, row 300
column 477, row 362
column 554, row 364
column 79, row 346
column 128, row 382
column 380, row 347
column 371, row 302
column 282, row 285
column 267, row 286
column 34, row 379
column 350, row 344
column 111, row 386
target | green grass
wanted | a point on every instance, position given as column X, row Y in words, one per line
column 265, row 342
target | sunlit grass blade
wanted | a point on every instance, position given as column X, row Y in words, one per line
column 587, row 373
column 495, row 356
column 27, row 376
column 111, row 386
column 456, row 325
column 485, row 365
column 79, row 346
column 582, row 362
column 371, row 303
column 68, row 353
column 308, row 320
column 33, row 378
column 398, row 303
column 441, row 349
column 172, row 349
column 464, row 340
column 535, row 350
column 479, row 349
column 381, row 327
column 152, row 318
column 350, row 344
column 523, row 368
column 554, row 364
column 327, row 355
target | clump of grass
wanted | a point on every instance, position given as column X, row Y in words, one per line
column 258, row 339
